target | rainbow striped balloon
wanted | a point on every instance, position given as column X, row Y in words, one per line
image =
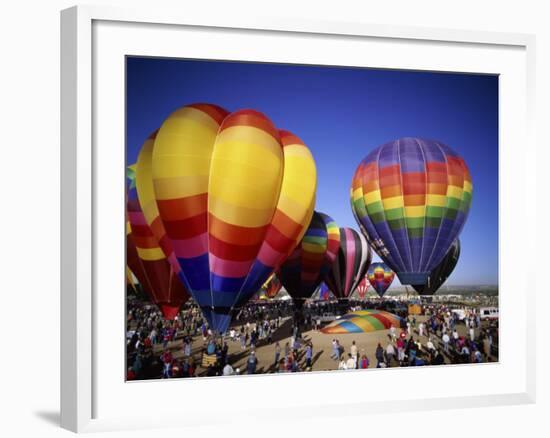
column 146, row 195
column 351, row 264
column 363, row 321
column 151, row 268
column 324, row 292
column 411, row 198
column 272, row 286
column 380, row 277
column 235, row 196
column 312, row 259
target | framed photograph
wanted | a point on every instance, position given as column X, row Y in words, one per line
column 289, row 207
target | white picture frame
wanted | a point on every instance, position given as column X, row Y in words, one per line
column 92, row 42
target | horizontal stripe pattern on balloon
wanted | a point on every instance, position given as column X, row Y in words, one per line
column 380, row 277
column 148, row 261
column 411, row 198
column 312, row 259
column 235, row 195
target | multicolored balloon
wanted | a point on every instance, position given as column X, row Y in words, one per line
column 441, row 272
column 312, row 259
column 380, row 277
column 272, row 286
column 363, row 321
column 362, row 288
column 324, row 292
column 147, row 200
column 234, row 195
column 351, row 263
column 411, row 198
column 148, row 263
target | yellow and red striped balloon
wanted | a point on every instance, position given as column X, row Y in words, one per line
column 234, row 195
column 147, row 261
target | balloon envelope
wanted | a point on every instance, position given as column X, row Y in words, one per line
column 380, row 277
column 441, row 272
column 411, row 198
column 351, row 263
column 324, row 292
column 272, row 286
column 362, row 288
column 148, row 262
column 312, row 259
column 235, row 196
column 362, row 321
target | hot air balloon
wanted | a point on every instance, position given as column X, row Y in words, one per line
column 380, row 277
column 441, row 272
column 362, row 321
column 272, row 286
column 311, row 260
column 411, row 198
column 235, row 196
column 148, row 262
column 147, row 201
column 324, row 292
column 362, row 288
column 351, row 263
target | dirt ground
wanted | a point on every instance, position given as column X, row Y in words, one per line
column 322, row 348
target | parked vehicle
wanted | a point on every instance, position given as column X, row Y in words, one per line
column 488, row 312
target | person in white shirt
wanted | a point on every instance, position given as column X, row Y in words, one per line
column 430, row 345
column 353, row 351
column 421, row 329
column 455, row 336
column 392, row 333
column 446, row 340
column 351, row 363
column 228, row 370
column 342, row 365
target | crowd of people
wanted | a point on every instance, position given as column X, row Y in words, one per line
column 186, row 347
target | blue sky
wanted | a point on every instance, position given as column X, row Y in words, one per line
column 342, row 114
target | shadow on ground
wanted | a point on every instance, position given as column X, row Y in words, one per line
column 51, row 417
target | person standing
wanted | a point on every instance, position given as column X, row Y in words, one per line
column 364, row 362
column 251, row 363
column 277, row 353
column 351, row 364
column 353, row 351
column 393, row 333
column 379, row 354
column 166, row 359
column 335, row 350
column 455, row 338
column 445, row 338
column 390, row 353
column 309, row 355
column 400, row 350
